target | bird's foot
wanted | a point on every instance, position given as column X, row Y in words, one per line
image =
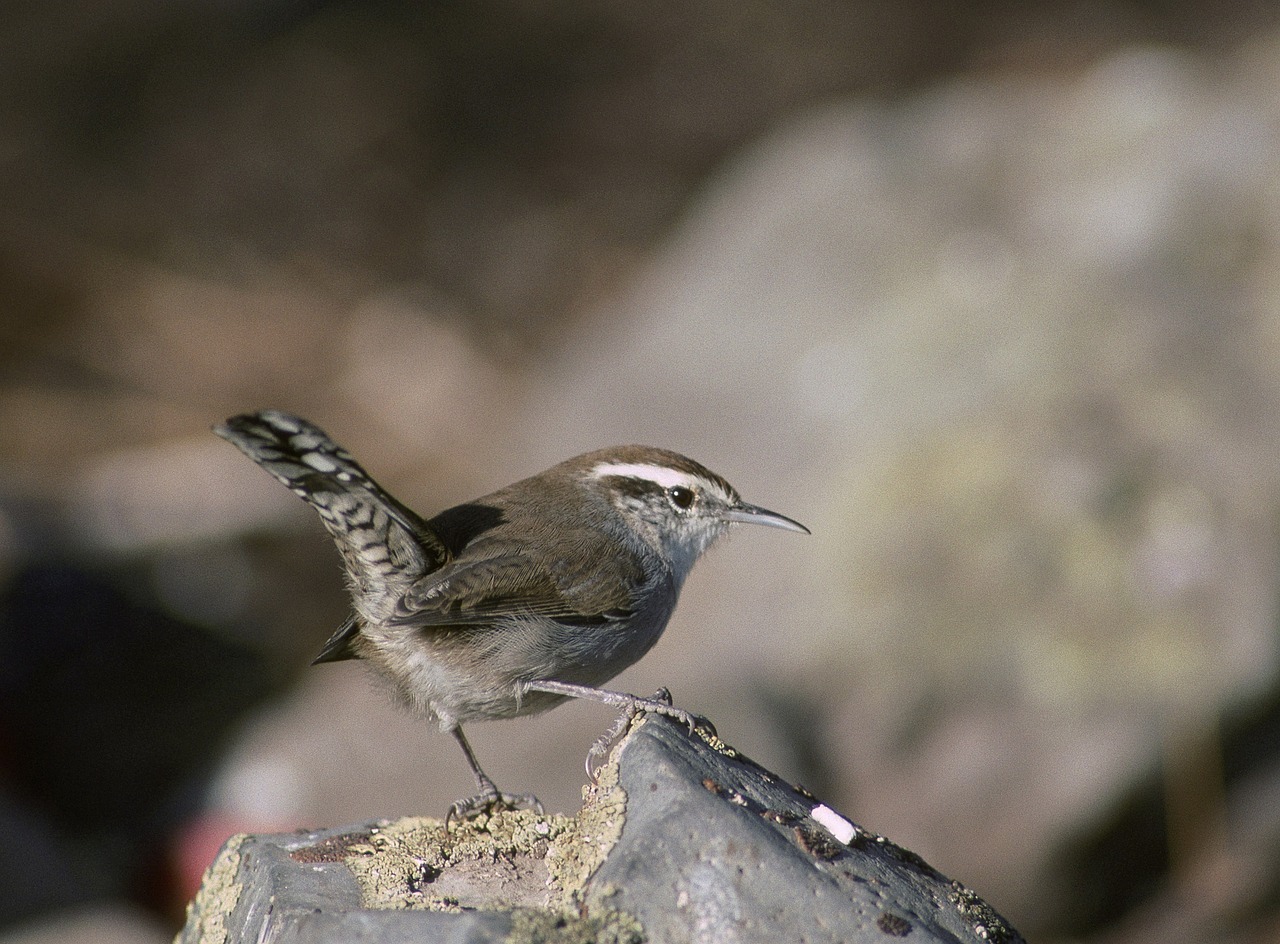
column 659, row 703
column 491, row 800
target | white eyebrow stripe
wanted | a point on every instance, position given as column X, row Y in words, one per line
column 660, row 475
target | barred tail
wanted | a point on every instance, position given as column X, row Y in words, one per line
column 381, row 540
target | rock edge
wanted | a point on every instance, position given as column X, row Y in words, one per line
column 682, row 838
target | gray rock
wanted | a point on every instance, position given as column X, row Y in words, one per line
column 682, row 839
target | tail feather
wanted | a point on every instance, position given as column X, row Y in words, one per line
column 382, row 542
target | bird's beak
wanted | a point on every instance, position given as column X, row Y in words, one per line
column 753, row 514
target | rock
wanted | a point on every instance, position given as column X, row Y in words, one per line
column 682, row 838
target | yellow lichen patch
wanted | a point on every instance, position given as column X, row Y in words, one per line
column 596, row 829
column 716, row 744
column 491, row 861
column 219, row 892
column 549, row 927
column 511, row 859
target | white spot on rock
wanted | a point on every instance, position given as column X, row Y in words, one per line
column 834, row 823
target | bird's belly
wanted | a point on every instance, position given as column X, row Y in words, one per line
column 456, row 676
column 439, row 679
column 585, row 654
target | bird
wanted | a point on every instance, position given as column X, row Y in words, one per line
column 510, row 604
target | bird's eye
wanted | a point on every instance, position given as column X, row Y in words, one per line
column 680, row 496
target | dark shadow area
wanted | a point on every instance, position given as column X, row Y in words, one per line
column 113, row 714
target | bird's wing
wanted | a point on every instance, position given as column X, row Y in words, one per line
column 341, row 644
column 482, row 592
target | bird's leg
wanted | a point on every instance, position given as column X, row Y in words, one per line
column 490, row 797
column 632, row 705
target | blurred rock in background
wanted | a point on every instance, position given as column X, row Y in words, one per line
column 987, row 297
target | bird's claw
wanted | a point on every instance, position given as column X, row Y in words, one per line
column 659, row 703
column 491, row 801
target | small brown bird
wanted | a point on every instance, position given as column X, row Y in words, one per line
column 509, row 604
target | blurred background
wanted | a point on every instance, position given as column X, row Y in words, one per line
column 986, row 294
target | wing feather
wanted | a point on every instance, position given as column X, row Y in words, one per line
column 479, row 593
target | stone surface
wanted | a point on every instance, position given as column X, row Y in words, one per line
column 681, row 839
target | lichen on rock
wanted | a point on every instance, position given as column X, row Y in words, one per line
column 534, row 864
column 219, row 891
